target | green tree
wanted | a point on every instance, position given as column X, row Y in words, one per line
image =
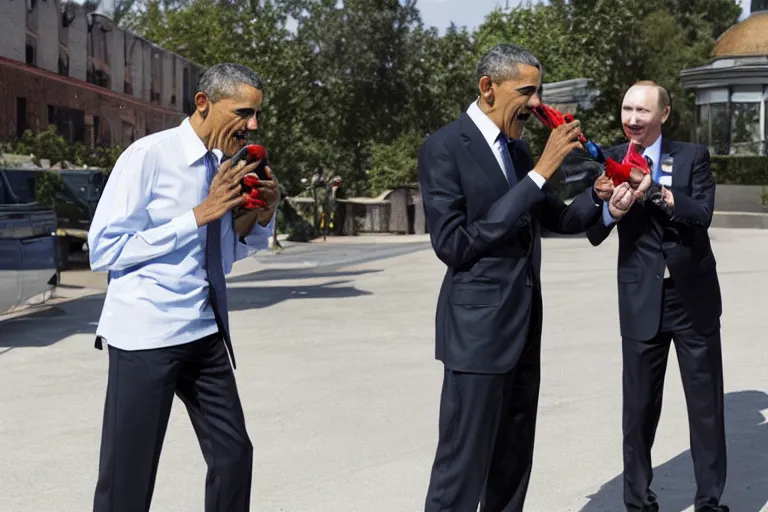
column 394, row 164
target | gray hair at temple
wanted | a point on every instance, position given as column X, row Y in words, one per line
column 223, row 80
column 502, row 62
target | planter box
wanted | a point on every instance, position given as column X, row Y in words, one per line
column 739, row 198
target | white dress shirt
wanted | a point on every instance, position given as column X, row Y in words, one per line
column 654, row 153
column 144, row 233
column 491, row 135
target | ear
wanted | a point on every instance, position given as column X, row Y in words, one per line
column 665, row 114
column 486, row 89
column 202, row 104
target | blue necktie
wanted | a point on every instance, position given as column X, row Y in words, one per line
column 217, row 289
column 525, row 236
column 509, row 166
column 654, row 172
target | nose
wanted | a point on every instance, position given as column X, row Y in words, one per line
column 253, row 123
column 633, row 118
column 535, row 100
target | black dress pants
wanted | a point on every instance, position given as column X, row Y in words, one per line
column 140, row 393
column 701, row 368
column 487, row 426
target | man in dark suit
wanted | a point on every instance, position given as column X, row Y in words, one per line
column 668, row 290
column 484, row 201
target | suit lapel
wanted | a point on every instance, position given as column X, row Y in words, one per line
column 480, row 151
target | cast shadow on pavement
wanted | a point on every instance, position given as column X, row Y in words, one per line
column 258, row 297
column 278, row 274
column 51, row 324
column 746, row 488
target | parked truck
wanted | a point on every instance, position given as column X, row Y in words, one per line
column 28, row 256
column 74, row 204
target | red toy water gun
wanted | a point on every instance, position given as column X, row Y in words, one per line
column 252, row 153
column 618, row 172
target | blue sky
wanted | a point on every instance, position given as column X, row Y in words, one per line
column 440, row 13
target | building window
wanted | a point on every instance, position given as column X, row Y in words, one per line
column 732, row 121
column 128, row 58
column 69, row 122
column 187, row 106
column 156, row 73
column 30, row 46
column 63, row 60
column 714, row 121
column 746, row 138
column 720, row 128
column 31, row 49
column 21, row 116
column 174, row 82
column 702, row 124
column 98, row 56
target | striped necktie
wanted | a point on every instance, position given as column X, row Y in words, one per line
column 506, row 157
column 217, row 289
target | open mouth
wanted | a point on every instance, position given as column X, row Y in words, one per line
column 524, row 116
column 240, row 135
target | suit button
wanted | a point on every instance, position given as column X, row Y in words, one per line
column 658, row 276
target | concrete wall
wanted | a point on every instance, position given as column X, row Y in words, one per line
column 75, row 38
column 13, row 20
column 47, row 19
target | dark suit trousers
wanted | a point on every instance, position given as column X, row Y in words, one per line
column 486, row 433
column 701, row 369
column 140, row 392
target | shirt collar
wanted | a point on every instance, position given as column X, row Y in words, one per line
column 487, row 127
column 194, row 149
column 654, row 151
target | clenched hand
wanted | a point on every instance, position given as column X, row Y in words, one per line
column 621, row 201
column 640, row 182
column 604, row 187
column 225, row 192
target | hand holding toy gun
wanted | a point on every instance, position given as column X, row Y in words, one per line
column 252, row 153
column 618, row 172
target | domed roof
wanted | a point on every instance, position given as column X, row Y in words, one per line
column 748, row 38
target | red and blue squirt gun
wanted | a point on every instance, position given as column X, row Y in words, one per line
column 249, row 184
column 618, row 172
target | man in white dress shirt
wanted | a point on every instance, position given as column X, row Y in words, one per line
column 164, row 230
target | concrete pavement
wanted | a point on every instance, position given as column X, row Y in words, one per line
column 341, row 390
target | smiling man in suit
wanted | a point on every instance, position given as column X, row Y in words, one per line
column 668, row 290
column 484, row 202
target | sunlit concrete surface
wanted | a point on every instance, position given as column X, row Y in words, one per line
column 334, row 343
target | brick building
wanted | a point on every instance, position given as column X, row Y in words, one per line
column 65, row 64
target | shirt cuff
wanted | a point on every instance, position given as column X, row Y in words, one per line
column 537, row 178
column 185, row 227
column 608, row 219
column 258, row 237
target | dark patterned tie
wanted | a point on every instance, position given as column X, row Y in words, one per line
column 506, row 157
column 217, row 289
column 525, row 234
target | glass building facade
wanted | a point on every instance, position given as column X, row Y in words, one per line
column 732, row 90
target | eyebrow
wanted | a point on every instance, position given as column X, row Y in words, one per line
column 246, row 111
column 527, row 90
